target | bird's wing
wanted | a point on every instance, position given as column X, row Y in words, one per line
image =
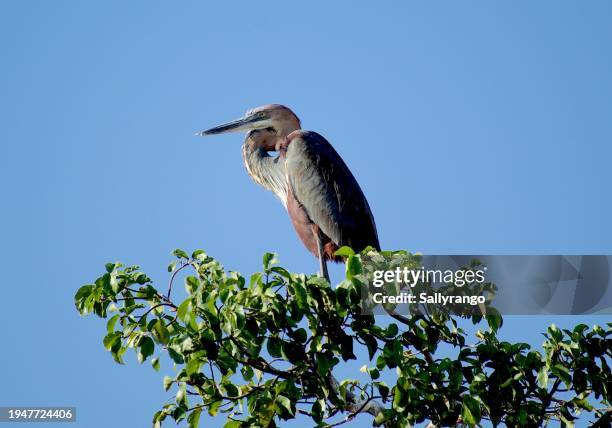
column 322, row 183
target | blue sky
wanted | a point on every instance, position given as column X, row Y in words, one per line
column 472, row 127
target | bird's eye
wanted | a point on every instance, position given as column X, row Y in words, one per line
column 261, row 114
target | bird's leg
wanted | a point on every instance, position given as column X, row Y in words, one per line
column 323, row 266
column 320, row 250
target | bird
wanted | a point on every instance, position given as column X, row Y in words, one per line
column 322, row 197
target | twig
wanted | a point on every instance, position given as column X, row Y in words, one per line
column 155, row 307
column 170, row 282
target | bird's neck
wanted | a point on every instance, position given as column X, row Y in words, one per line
column 265, row 170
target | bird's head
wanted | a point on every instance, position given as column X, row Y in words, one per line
column 273, row 117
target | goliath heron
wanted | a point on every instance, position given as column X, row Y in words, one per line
column 324, row 201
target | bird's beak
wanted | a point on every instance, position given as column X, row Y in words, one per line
column 243, row 124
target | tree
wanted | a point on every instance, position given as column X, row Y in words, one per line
column 265, row 349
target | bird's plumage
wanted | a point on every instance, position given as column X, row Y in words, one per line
column 323, row 185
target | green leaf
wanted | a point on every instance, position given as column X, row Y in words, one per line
column 193, row 366
column 182, row 310
column 379, row 419
column 111, row 266
column 580, row 328
column 398, row 398
column 247, row 373
column 111, row 339
column 155, row 363
column 161, row 332
column 346, row 347
column 353, row 266
column 567, row 420
column 281, row 271
column 383, row 389
column 231, row 389
column 324, row 364
column 371, row 343
column 158, row 418
column 180, row 254
column 392, row 330
column 562, row 373
column 274, row 346
column 300, row 294
column 255, row 280
column 583, row 404
column 145, row 348
column 383, row 416
column 168, row 381
column 191, row 284
column 555, row 333
column 181, row 393
column 543, row 377
column 117, row 352
column 81, row 298
column 392, row 352
column 193, row 420
column 470, row 412
column 494, row 319
column 269, row 259
column 284, row 403
column 199, row 255
column 300, row 335
column 374, row 373
column 344, row 252
column 110, row 325
column 176, row 356
column 214, row 407
column 317, row 410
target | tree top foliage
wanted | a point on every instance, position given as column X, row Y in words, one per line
column 260, row 350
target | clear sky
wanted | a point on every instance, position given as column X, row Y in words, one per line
column 473, row 128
